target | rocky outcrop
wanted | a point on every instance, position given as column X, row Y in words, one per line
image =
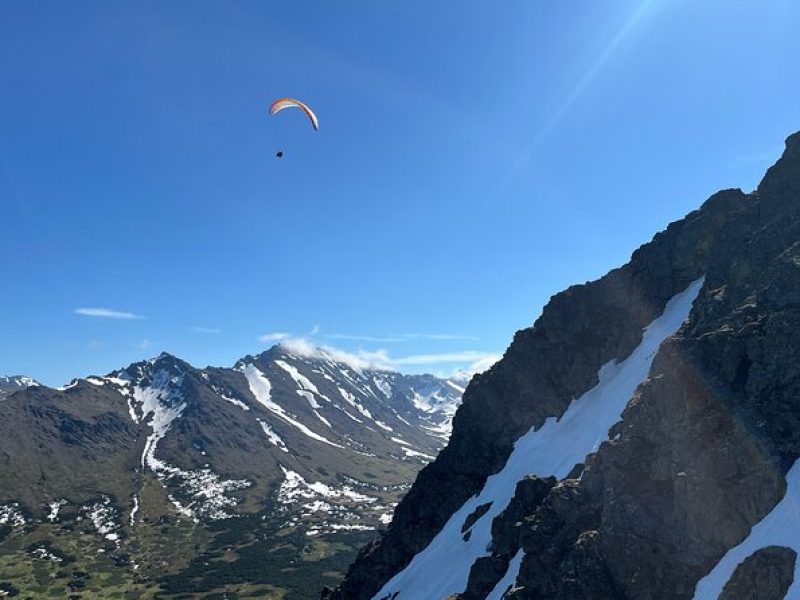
column 765, row 575
column 701, row 452
column 507, row 533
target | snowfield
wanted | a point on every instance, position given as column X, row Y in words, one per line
column 554, row 449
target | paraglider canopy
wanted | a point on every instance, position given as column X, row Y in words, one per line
column 282, row 103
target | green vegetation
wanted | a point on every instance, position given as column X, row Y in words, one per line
column 247, row 557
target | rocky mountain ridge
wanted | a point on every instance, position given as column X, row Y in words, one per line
column 673, row 498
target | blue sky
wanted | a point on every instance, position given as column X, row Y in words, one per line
column 473, row 160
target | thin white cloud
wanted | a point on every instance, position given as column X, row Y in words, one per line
column 106, row 313
column 144, row 344
column 205, row 329
column 314, row 330
column 275, row 336
column 474, row 361
column 367, row 338
column 441, row 336
column 359, row 360
column 401, row 337
column 464, row 356
column 463, row 375
column 483, row 364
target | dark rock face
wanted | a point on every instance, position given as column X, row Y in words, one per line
column 474, row 516
column 704, row 444
column 507, row 534
column 765, row 575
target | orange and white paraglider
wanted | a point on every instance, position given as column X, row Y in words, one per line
column 283, row 103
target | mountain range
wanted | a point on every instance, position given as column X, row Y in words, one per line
column 162, row 478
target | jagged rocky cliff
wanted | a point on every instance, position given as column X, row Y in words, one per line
column 636, row 442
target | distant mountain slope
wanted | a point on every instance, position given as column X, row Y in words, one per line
column 640, row 441
column 302, row 443
column 14, row 383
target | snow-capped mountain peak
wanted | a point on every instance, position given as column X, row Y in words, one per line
column 13, row 383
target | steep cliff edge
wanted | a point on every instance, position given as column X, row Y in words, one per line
column 702, row 449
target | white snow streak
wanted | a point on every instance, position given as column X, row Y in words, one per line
column 351, row 400
column 509, row 579
column 414, row 453
column 273, row 437
column 158, row 400
column 235, row 402
column 261, row 388
column 555, row 448
column 134, row 510
column 300, row 379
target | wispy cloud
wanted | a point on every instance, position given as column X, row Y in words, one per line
column 275, row 336
column 472, row 361
column 440, row 336
column 106, row 313
column 144, row 344
column 400, row 337
column 463, row 356
column 360, row 359
column 464, row 374
column 367, row 338
column 205, row 329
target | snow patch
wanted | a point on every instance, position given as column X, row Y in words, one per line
column 103, row 516
column 300, row 379
column 509, row 579
column 415, row 454
column 201, row 493
column 331, row 509
column 295, row 487
column 55, row 507
column 134, row 510
column 442, row 568
column 10, row 514
column 309, row 397
column 351, row 400
column 262, row 390
column 384, row 386
column 235, row 402
column 273, row 437
column 42, row 553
